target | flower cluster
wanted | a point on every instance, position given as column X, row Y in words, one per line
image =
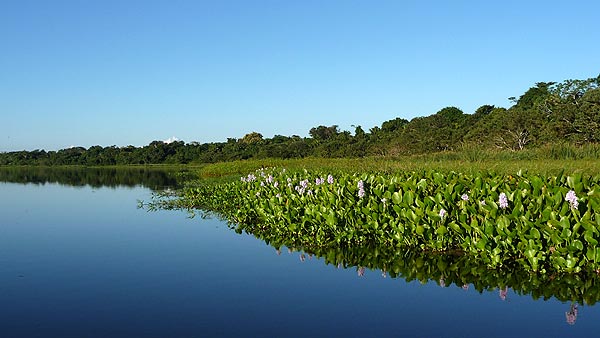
column 443, row 213
column 572, row 199
column 464, row 197
column 304, row 184
column 503, row 201
column 330, row 179
column 249, row 178
column 302, row 187
column 361, row 189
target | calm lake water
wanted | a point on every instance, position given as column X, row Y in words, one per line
column 84, row 261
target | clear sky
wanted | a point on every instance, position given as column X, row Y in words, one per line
column 129, row 72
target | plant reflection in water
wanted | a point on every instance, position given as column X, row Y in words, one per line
column 572, row 314
column 446, row 270
column 503, row 293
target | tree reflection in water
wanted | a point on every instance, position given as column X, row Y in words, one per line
column 157, row 179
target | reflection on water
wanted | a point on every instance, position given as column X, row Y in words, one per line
column 446, row 270
column 572, row 314
column 449, row 269
column 84, row 261
column 153, row 178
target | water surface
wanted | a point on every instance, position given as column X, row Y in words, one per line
column 84, row 261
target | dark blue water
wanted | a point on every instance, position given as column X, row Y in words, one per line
column 86, row 262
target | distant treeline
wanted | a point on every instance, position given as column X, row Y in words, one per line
column 548, row 113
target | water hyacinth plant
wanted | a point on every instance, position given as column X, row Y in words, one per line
column 572, row 199
column 544, row 224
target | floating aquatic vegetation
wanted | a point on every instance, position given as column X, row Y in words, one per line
column 543, row 224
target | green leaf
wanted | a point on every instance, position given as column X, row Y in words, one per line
column 396, row 198
column 589, row 237
column 481, row 244
column 420, row 230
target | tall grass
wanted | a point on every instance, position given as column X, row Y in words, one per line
column 445, row 162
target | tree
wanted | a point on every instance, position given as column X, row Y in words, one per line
column 323, row 133
column 572, row 110
column 484, row 110
column 252, row 137
column 393, row 125
column 534, row 95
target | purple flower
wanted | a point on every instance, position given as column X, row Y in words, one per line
column 443, row 213
column 361, row 193
column 278, row 195
column 319, row 181
column 442, row 282
column 482, row 202
column 572, row 199
column 361, row 189
column 464, row 197
column 262, row 184
column 503, row 201
column 276, row 184
column 330, row 179
column 304, row 184
column 465, row 287
column 572, row 314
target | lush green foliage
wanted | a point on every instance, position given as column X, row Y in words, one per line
column 547, row 114
column 538, row 227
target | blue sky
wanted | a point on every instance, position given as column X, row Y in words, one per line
column 129, row 72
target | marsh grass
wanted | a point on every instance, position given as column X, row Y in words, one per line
column 467, row 162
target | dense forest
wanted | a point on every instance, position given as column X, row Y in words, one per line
column 546, row 113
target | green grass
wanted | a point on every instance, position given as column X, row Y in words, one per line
column 444, row 162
